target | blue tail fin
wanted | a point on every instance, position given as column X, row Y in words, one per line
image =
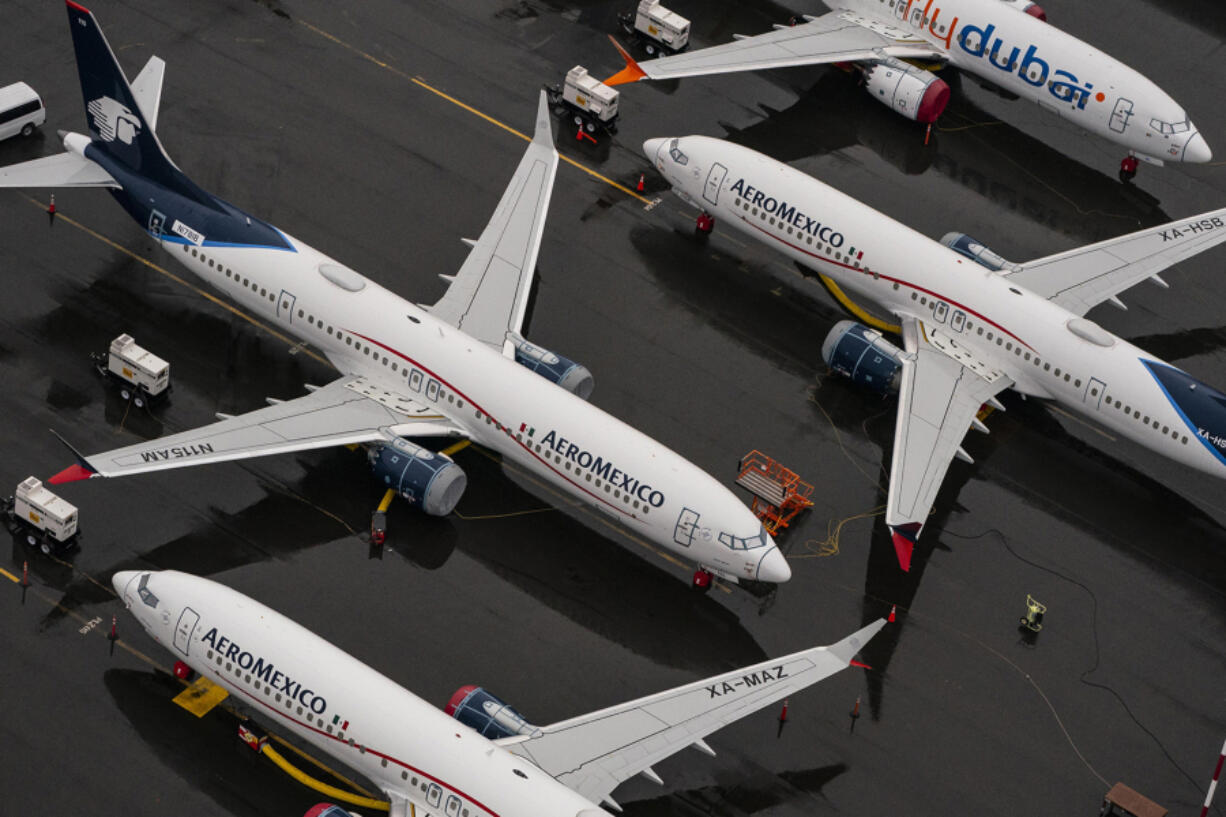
column 116, row 123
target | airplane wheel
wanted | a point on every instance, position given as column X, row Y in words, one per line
column 578, row 120
column 590, row 127
column 27, row 129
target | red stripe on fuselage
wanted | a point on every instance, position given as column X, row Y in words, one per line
column 900, row 281
column 511, row 437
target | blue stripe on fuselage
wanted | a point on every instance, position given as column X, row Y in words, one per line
column 220, row 223
column 1202, row 407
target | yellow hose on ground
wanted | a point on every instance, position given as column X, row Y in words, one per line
column 320, row 786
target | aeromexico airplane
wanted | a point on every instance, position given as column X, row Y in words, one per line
column 459, row 368
column 498, row 765
column 1005, row 42
column 972, row 323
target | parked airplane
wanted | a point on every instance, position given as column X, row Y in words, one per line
column 973, row 324
column 459, row 368
column 419, row 757
column 1005, row 43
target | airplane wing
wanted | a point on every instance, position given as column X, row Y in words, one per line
column 594, row 753
column 60, row 170
column 837, row 36
column 1081, row 278
column 346, row 411
column 489, row 295
column 942, row 388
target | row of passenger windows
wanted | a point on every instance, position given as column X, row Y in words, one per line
column 626, row 499
column 1173, row 433
column 791, row 230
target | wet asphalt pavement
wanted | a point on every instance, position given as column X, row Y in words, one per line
column 320, row 118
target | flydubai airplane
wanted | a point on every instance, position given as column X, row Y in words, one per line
column 973, row 324
column 1004, row 42
column 498, row 764
column 459, row 368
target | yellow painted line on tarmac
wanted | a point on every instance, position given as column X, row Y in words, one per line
column 421, row 83
column 9, row 576
column 208, row 296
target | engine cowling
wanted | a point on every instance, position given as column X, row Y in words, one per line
column 426, row 479
column 327, row 810
column 486, row 714
column 572, row 376
column 913, row 92
column 977, row 251
column 863, row 355
column 1027, row 7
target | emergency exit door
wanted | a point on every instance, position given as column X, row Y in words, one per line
column 183, row 630
column 715, row 180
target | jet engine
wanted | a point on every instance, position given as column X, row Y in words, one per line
column 426, row 479
column 572, row 376
column 489, row 716
column 913, row 92
column 977, row 251
column 864, row 355
column 327, row 810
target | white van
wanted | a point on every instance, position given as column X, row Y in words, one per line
column 21, row 110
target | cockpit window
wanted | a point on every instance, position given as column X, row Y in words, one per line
column 146, row 595
column 744, row 543
column 1168, row 128
column 676, row 154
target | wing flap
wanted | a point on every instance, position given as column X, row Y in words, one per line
column 594, row 753
column 61, row 170
column 1081, row 278
column 838, row 36
column 488, row 297
column 344, row 412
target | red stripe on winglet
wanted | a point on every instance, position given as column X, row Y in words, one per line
column 78, row 6
column 860, row 664
column 74, row 472
column 904, row 537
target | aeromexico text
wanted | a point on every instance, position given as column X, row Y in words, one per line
column 602, row 468
column 265, row 671
column 785, row 211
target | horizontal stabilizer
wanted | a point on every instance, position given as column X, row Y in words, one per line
column 61, row 170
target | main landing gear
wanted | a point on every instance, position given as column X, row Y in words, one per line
column 1128, row 168
column 702, row 580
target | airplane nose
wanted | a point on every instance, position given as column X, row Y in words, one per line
column 652, row 147
column 1196, row 149
column 121, row 579
column 774, row 567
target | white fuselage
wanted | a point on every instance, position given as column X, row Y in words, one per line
column 1041, row 63
column 367, row 330
column 1046, row 350
column 290, row 678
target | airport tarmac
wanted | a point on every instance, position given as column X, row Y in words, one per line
column 371, row 131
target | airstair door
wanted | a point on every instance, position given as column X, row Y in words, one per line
column 715, row 180
column 183, row 630
column 1121, row 115
column 285, row 306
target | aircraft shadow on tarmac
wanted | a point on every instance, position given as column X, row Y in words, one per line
column 748, row 795
column 205, row 752
column 1012, row 170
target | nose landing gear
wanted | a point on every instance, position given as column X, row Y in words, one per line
column 702, row 580
column 1128, row 168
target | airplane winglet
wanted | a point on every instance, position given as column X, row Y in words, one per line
column 848, row 647
column 631, row 73
column 543, row 135
column 904, row 537
column 81, row 469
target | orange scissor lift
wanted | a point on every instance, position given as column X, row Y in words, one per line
column 778, row 493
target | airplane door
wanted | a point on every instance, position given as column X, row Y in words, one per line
column 434, row 794
column 285, row 306
column 1121, row 115
column 183, row 630
column 687, row 525
column 715, row 180
column 1094, row 393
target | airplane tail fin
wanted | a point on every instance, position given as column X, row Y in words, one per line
column 631, row 73
column 121, row 121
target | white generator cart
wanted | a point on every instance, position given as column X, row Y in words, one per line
column 591, row 103
column 141, row 375
column 658, row 30
column 45, row 520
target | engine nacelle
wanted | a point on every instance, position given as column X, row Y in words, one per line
column 328, row 810
column 488, row 715
column 864, row 355
column 426, row 479
column 913, row 92
column 977, row 251
column 1027, row 7
column 572, row 376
